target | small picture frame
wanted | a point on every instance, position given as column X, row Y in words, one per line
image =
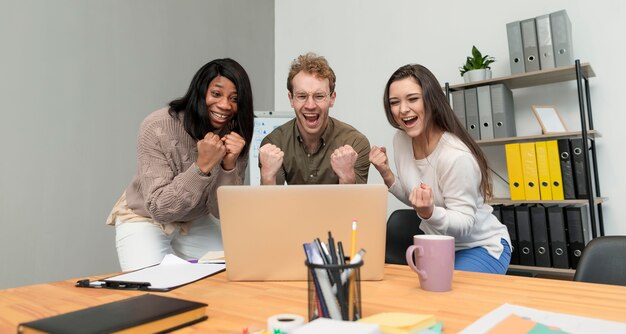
column 549, row 118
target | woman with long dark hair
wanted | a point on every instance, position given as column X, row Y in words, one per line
column 442, row 173
column 184, row 153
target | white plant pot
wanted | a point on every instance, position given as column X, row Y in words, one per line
column 477, row 75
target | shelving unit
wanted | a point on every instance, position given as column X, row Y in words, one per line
column 581, row 74
column 541, row 271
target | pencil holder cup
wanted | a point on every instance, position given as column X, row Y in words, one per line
column 326, row 298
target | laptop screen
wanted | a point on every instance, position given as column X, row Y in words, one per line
column 264, row 227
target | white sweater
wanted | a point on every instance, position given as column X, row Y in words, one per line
column 454, row 176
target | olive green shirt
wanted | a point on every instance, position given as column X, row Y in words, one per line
column 300, row 167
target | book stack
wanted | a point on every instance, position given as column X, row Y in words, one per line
column 486, row 111
column 547, row 170
column 540, row 43
column 545, row 236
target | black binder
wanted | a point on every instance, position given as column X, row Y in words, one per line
column 541, row 241
column 558, row 241
column 524, row 236
column 508, row 219
column 576, row 232
column 567, row 173
column 578, row 165
column 497, row 211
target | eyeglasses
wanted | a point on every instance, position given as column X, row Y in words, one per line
column 318, row 97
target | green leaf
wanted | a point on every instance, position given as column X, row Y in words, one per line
column 476, row 61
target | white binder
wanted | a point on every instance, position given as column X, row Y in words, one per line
column 531, row 49
column 516, row 49
column 562, row 38
column 471, row 113
column 484, row 112
column 544, row 42
column 458, row 106
column 503, row 111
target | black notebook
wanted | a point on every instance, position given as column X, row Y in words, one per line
column 143, row 314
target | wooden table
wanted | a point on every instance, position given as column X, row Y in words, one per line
column 235, row 305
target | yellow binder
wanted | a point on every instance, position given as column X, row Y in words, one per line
column 554, row 163
column 543, row 170
column 529, row 169
column 514, row 168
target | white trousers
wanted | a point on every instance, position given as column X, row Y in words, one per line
column 143, row 244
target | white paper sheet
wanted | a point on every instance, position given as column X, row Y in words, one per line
column 213, row 257
column 565, row 322
column 170, row 273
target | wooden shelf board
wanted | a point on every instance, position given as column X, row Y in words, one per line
column 507, row 201
column 543, row 270
column 536, row 78
column 550, row 136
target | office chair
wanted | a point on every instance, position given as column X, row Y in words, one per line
column 402, row 225
column 603, row 261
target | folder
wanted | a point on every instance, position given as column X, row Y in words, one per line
column 171, row 273
column 543, row 171
column 578, row 165
column 529, row 169
column 485, row 118
column 471, row 113
column 503, row 111
column 544, row 42
column 508, row 219
column 514, row 169
column 516, row 49
column 529, row 42
column 554, row 163
column 558, row 240
column 146, row 313
column 524, row 236
column 541, row 241
column 458, row 106
column 567, row 172
column 497, row 212
column 577, row 232
column 562, row 38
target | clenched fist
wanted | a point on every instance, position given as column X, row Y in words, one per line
column 211, row 151
column 342, row 161
column 271, row 159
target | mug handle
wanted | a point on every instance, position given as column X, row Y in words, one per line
column 409, row 260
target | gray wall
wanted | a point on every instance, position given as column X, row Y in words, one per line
column 76, row 79
column 366, row 40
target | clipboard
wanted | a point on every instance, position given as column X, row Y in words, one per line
column 171, row 273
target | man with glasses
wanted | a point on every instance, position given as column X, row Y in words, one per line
column 313, row 148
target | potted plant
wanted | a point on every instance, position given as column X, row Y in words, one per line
column 477, row 67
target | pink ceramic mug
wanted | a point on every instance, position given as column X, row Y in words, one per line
column 434, row 261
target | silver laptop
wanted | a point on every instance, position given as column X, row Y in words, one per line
column 264, row 227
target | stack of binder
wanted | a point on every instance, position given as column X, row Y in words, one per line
column 543, row 236
column 485, row 111
column 540, row 43
column 547, row 170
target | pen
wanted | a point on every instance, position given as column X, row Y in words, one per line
column 334, row 272
column 86, row 283
column 331, row 248
column 325, row 256
column 342, row 256
column 324, row 250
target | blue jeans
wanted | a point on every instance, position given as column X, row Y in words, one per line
column 477, row 259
